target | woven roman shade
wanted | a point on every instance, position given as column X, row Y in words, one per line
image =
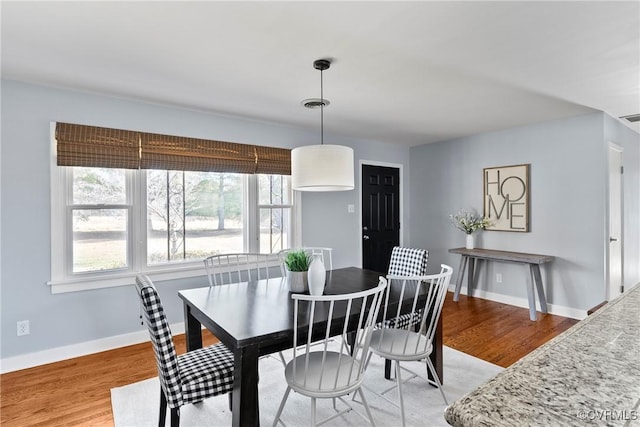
column 92, row 146
column 179, row 153
column 103, row 147
column 274, row 161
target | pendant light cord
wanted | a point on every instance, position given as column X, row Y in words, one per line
column 321, row 110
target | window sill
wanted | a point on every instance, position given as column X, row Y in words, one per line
column 129, row 278
column 123, row 279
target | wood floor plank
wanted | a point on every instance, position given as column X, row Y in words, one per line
column 77, row 391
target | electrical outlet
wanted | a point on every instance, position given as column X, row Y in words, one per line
column 498, row 277
column 23, row 328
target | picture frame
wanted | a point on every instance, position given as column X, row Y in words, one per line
column 506, row 196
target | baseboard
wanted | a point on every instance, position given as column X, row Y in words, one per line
column 558, row 310
column 58, row 354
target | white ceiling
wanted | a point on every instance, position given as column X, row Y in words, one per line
column 403, row 72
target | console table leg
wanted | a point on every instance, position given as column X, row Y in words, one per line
column 537, row 277
column 463, row 265
column 532, row 298
column 470, row 275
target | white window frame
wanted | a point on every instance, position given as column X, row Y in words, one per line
column 61, row 248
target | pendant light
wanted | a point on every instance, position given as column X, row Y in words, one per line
column 322, row 167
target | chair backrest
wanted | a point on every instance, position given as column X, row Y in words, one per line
column 240, row 267
column 408, row 261
column 325, row 255
column 336, row 315
column 412, row 288
column 162, row 341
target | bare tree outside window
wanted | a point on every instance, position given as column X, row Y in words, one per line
column 192, row 215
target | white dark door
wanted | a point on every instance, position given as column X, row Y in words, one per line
column 614, row 282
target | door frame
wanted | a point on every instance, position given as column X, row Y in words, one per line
column 400, row 168
column 607, row 285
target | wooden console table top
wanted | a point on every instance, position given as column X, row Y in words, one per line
column 503, row 255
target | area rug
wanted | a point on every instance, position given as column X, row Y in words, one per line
column 136, row 405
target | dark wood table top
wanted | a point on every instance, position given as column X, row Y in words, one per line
column 261, row 312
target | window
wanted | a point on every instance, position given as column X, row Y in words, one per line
column 110, row 224
column 274, row 206
column 100, row 215
column 191, row 215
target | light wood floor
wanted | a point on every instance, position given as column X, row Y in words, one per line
column 77, row 391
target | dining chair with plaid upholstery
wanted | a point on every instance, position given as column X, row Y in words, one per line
column 405, row 262
column 186, row 378
column 408, row 262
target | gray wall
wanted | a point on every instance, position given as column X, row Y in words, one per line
column 567, row 210
column 64, row 319
column 567, row 205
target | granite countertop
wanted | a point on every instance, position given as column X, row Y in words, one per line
column 588, row 375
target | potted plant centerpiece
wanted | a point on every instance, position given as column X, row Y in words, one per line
column 469, row 222
column 297, row 263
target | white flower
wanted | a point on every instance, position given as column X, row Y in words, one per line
column 469, row 221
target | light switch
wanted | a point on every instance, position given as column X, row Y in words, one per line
column 351, row 208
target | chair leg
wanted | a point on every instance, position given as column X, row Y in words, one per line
column 175, row 417
column 313, row 412
column 399, row 380
column 284, row 400
column 163, row 409
column 387, row 369
column 366, row 407
column 435, row 377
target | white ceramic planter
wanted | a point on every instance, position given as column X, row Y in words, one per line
column 297, row 281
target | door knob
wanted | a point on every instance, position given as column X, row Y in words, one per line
column 365, row 237
column 612, row 239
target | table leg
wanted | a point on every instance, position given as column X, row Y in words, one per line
column 245, row 387
column 463, row 264
column 470, row 274
column 436, row 354
column 531, row 297
column 535, row 274
column 192, row 330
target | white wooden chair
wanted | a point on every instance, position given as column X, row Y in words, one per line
column 400, row 342
column 240, row 267
column 332, row 372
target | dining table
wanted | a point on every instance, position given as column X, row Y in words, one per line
column 255, row 318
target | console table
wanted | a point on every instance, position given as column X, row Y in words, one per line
column 468, row 260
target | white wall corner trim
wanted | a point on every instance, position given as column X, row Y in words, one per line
column 58, row 354
column 558, row 310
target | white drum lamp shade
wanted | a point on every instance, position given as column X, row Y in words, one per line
column 322, row 167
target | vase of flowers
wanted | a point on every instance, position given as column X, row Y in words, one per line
column 469, row 222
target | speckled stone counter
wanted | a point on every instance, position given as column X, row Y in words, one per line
column 588, row 375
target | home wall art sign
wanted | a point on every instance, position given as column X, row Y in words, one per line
column 506, row 197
